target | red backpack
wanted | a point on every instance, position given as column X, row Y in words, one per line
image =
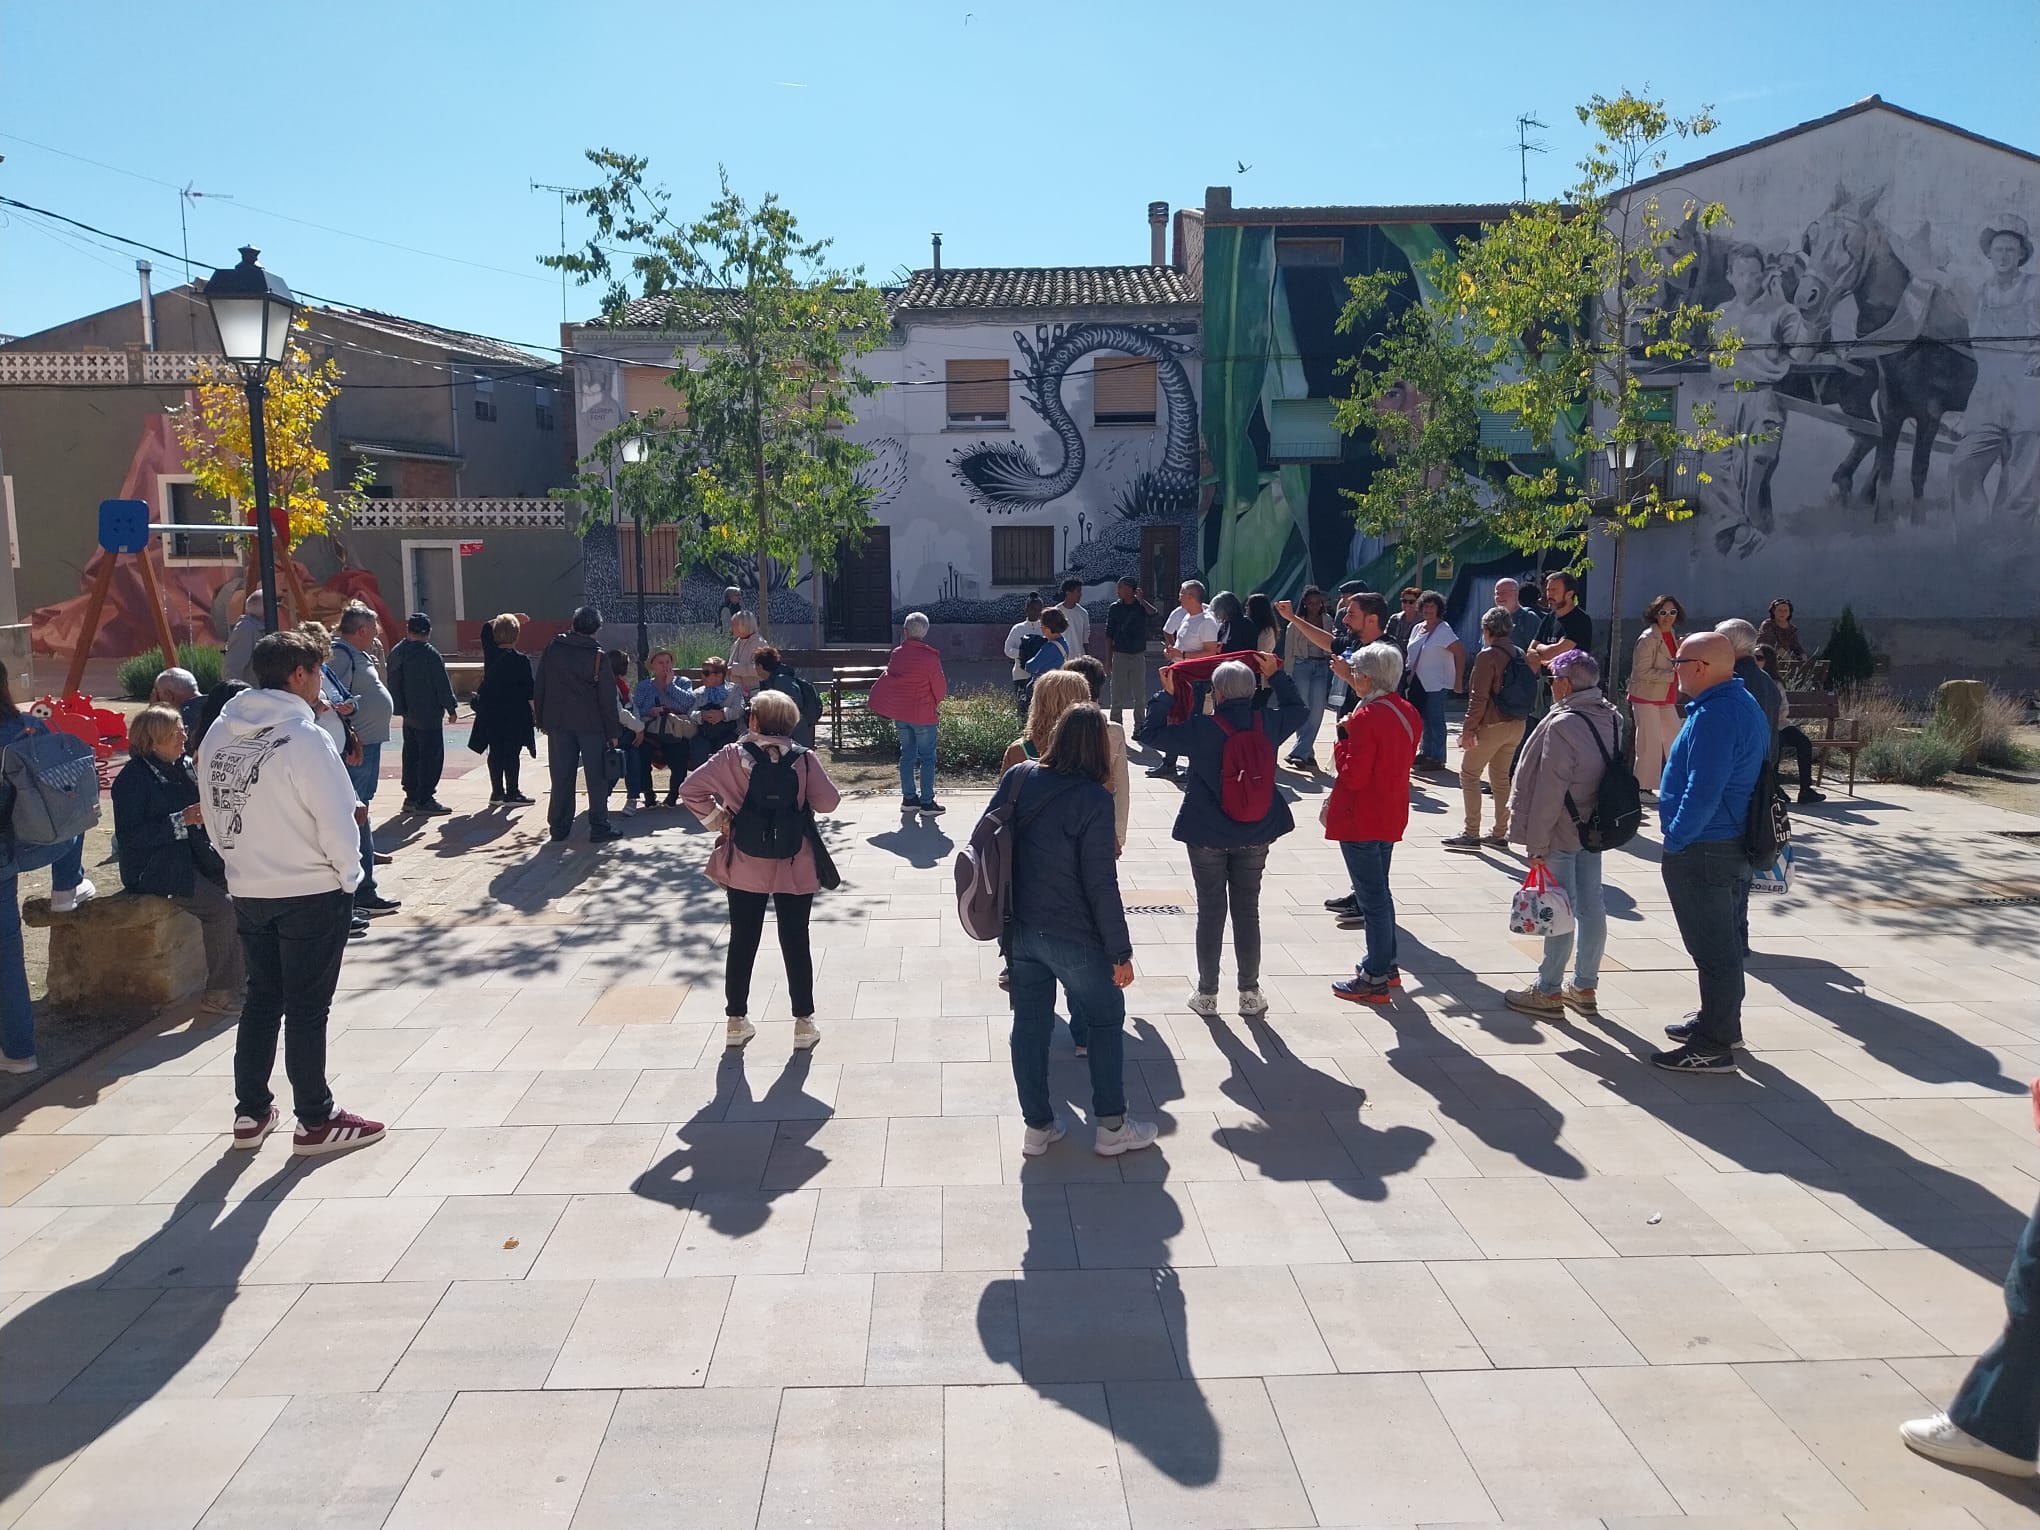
column 1246, row 772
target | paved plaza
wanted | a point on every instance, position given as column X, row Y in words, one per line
column 1430, row 1265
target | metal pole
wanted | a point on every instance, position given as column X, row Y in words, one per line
column 265, row 534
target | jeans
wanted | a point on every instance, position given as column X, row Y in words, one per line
column 1579, row 873
column 1129, row 684
column 1494, row 747
column 2000, row 1398
column 1228, row 877
column 17, row 1014
column 1314, row 680
column 293, row 948
column 566, row 753
column 364, row 778
column 1367, row 864
column 1040, row 961
column 424, row 761
column 747, row 931
column 220, row 925
column 1432, row 746
column 1709, row 884
column 917, row 747
column 503, row 766
column 637, row 768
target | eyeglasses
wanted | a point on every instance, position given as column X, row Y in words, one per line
column 1677, row 662
column 1409, row 600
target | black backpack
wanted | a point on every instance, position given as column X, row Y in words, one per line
column 1767, row 826
column 1516, row 696
column 772, row 824
column 1618, row 804
column 1031, row 645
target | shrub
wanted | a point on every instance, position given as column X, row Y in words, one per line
column 1877, row 714
column 138, row 675
column 1998, row 744
column 690, row 645
column 1911, row 758
column 972, row 730
column 1848, row 655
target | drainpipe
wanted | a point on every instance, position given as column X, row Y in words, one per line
column 148, row 307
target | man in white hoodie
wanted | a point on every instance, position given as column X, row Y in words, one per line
column 283, row 815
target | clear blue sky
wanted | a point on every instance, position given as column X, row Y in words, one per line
column 1030, row 132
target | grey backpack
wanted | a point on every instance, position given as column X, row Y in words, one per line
column 53, row 780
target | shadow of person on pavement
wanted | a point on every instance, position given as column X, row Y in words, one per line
column 1109, row 1342
column 730, row 1172
column 78, row 1359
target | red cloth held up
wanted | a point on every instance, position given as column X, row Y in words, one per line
column 1191, row 673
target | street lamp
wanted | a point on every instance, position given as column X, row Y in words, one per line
column 253, row 310
column 634, row 453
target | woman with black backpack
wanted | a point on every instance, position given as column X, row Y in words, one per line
column 762, row 793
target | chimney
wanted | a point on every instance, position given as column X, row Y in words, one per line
column 937, row 240
column 142, row 269
column 1158, row 233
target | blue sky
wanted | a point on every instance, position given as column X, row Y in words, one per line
column 1030, row 132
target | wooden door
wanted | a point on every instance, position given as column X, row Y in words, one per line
column 1161, row 564
column 859, row 604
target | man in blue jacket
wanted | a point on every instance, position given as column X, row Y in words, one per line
column 1228, row 856
column 1703, row 805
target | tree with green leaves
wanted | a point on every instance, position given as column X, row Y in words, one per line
column 1586, row 297
column 752, row 461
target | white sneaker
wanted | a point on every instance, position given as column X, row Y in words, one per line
column 65, row 902
column 18, row 1064
column 1130, row 1136
column 805, row 1033
column 1253, row 1002
column 1035, row 1140
column 1940, row 1439
column 1202, row 1003
column 739, row 1031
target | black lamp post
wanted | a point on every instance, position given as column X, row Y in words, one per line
column 253, row 309
column 634, row 453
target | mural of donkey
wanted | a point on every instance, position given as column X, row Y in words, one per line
column 1910, row 361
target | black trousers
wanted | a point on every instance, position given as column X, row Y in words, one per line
column 293, row 948
column 747, row 930
column 503, row 763
column 565, row 755
column 1709, row 884
column 424, row 762
column 1801, row 746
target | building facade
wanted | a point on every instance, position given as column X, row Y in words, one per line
column 1035, row 424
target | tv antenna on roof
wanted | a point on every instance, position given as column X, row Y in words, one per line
column 184, row 200
column 1527, row 146
column 561, row 192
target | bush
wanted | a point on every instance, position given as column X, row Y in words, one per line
column 138, row 675
column 690, row 645
column 1916, row 758
column 972, row 730
column 1998, row 743
column 1848, row 655
column 1878, row 713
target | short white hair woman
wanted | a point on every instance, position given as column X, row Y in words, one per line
column 910, row 692
column 1369, row 809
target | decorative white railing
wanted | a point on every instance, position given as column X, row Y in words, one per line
column 166, row 369
column 460, row 514
column 175, row 367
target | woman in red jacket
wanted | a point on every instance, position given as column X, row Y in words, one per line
column 1369, row 807
column 909, row 691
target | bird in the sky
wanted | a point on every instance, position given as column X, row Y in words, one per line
column 1244, row 166
column 966, row 17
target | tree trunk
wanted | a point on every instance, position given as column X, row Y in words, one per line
column 1615, row 604
column 763, row 501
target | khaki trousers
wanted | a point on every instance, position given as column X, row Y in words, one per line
column 1494, row 752
column 1656, row 727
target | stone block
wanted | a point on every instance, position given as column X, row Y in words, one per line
column 465, row 677
column 120, row 955
column 1958, row 708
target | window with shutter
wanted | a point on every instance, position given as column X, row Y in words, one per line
column 979, row 392
column 646, row 389
column 1023, row 554
column 662, row 551
column 1302, row 430
column 1122, row 391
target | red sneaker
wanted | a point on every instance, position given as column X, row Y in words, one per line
column 345, row 1130
column 249, row 1132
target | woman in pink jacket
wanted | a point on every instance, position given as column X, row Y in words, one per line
column 761, row 794
column 909, row 691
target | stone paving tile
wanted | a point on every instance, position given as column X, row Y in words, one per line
column 506, row 1458
column 893, row 1434
column 642, row 1333
column 697, row 1458
column 337, row 1338
column 1204, row 1455
column 1404, row 1467
column 161, row 1464
column 1531, row 1312
column 186, row 1343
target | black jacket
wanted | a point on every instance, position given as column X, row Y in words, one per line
column 1126, row 626
column 419, row 688
column 1202, row 820
column 575, row 692
column 149, row 796
column 503, row 701
column 1065, row 866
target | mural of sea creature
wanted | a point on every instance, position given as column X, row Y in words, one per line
column 1003, row 476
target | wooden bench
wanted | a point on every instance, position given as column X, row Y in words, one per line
column 1840, row 736
column 120, row 955
column 850, row 697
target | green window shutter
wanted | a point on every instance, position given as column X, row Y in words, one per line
column 1302, row 430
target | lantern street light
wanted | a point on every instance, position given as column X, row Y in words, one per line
column 253, row 310
column 634, row 453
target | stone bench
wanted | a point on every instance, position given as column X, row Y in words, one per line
column 120, row 955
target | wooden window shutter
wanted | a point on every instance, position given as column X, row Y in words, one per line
column 662, row 551
column 645, row 389
column 979, row 391
column 1123, row 390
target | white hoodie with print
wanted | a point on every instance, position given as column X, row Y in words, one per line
column 276, row 800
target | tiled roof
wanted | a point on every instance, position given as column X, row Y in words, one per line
column 453, row 341
column 1047, row 287
column 652, row 312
